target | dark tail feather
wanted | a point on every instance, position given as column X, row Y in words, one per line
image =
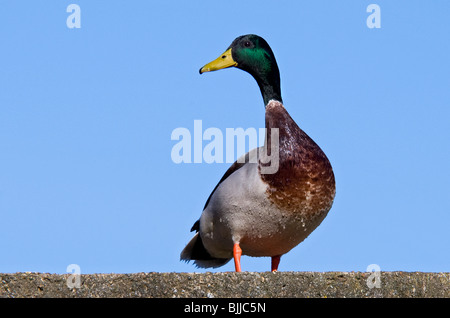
column 195, row 250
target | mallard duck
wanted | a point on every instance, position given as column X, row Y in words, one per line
column 263, row 214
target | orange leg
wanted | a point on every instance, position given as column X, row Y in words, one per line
column 275, row 262
column 237, row 252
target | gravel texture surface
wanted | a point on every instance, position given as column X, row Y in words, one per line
column 228, row 284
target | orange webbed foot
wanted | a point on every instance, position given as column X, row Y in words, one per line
column 237, row 252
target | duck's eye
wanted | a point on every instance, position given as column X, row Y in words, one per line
column 247, row 44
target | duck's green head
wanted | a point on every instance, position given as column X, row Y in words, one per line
column 252, row 54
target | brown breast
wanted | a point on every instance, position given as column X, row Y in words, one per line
column 304, row 182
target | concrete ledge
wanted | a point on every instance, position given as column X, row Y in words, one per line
column 219, row 285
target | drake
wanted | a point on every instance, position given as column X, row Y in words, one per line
column 254, row 211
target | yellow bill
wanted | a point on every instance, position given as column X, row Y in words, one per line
column 223, row 61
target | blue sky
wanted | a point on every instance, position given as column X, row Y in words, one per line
column 86, row 116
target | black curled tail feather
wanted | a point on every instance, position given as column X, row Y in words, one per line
column 195, row 250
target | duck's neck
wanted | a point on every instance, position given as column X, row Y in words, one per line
column 270, row 91
column 269, row 83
